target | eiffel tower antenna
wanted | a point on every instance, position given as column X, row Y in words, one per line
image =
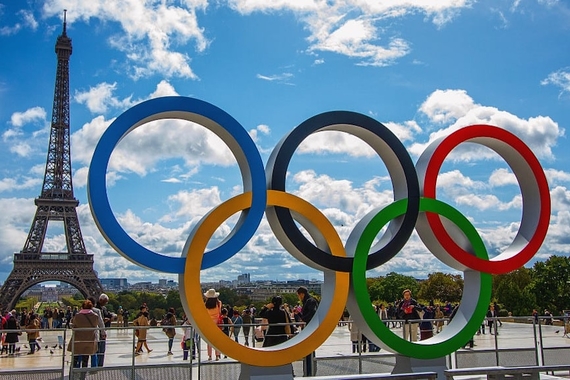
column 55, row 203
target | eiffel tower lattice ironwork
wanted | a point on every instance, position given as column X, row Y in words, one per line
column 56, row 203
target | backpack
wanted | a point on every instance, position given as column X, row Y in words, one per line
column 166, row 321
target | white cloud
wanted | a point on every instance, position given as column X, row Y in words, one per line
column 560, row 78
column 129, row 157
column 163, row 88
column 151, row 31
column 15, row 184
column 405, row 131
column 353, row 40
column 83, row 141
column 15, row 219
column 354, row 27
column 337, row 143
column 30, row 115
column 445, row 106
column 171, row 180
column 555, row 177
column 18, row 142
column 502, row 177
column 21, row 148
column 99, row 98
column 29, row 19
column 457, row 108
column 278, row 78
column 263, row 129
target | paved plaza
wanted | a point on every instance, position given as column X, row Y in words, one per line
column 120, row 347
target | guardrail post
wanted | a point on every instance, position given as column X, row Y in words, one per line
column 64, row 353
column 133, row 352
column 541, row 343
column 537, row 360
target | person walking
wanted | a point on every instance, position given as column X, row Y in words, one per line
column 141, row 333
column 246, row 327
column 491, row 320
column 169, row 320
column 214, row 307
column 439, row 319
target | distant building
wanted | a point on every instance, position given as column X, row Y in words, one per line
column 142, row 285
column 114, row 283
column 49, row 294
column 243, row 279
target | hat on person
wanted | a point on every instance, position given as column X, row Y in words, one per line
column 211, row 293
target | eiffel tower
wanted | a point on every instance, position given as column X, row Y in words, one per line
column 56, row 203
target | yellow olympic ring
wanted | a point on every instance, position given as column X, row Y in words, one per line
column 314, row 334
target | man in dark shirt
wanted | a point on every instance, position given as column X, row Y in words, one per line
column 308, row 311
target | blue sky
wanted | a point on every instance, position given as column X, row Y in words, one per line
column 423, row 68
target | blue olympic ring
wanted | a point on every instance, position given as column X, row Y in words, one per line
column 209, row 116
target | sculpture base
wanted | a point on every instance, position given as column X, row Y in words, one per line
column 405, row 364
column 249, row 372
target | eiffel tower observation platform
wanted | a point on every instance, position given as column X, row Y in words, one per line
column 516, row 345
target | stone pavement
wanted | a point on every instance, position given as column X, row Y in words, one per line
column 120, row 347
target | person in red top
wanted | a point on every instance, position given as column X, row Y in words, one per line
column 408, row 310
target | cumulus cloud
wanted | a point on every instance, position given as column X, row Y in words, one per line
column 30, row 115
column 151, row 31
column 100, row 97
column 355, row 28
column 19, row 142
column 456, row 109
column 260, row 129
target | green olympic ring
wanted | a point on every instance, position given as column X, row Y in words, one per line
column 474, row 302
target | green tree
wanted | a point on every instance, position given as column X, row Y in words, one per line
column 391, row 286
column 228, row 296
column 513, row 290
column 441, row 286
column 550, row 284
column 127, row 300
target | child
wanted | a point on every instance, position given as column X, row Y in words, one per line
column 187, row 340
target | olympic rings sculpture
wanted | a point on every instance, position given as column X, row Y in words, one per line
column 445, row 231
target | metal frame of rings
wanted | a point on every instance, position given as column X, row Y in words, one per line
column 445, row 231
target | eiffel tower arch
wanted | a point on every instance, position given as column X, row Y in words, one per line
column 56, row 203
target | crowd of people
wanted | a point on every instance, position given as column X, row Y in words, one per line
column 273, row 324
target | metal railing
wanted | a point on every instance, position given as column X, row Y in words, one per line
column 534, row 344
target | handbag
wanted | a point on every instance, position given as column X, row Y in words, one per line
column 288, row 326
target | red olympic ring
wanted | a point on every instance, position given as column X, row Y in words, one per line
column 534, row 223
